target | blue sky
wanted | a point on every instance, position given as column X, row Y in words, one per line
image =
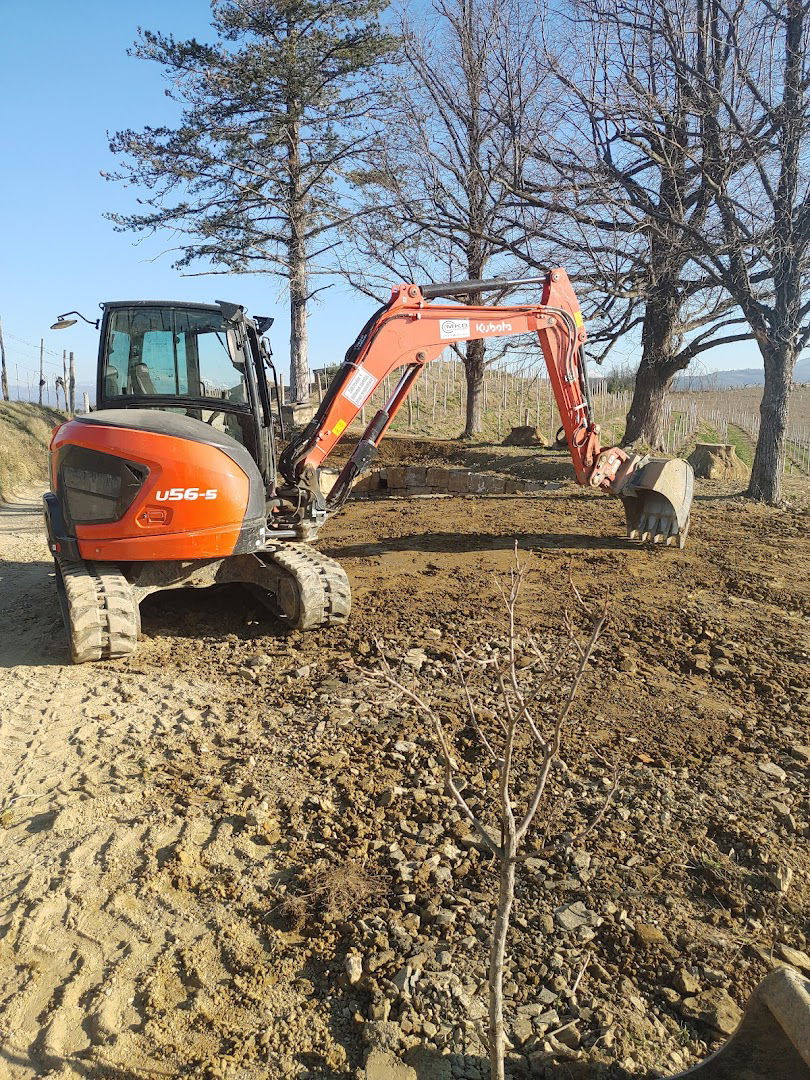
column 65, row 81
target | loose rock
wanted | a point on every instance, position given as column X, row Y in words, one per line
column 714, row 1007
column 354, row 968
column 382, row 1065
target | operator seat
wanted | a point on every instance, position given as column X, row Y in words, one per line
column 141, row 380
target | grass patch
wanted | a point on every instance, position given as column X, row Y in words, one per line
column 334, row 893
column 704, row 433
column 741, row 441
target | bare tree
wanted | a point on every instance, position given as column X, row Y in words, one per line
column 255, row 176
column 467, row 102
column 536, row 698
column 618, row 178
column 760, row 253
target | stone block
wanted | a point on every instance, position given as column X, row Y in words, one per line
column 415, row 476
column 437, row 478
column 396, row 477
column 458, row 480
column 485, row 484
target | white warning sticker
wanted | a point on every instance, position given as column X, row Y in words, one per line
column 454, row 328
column 359, row 388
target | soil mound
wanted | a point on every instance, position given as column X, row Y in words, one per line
column 524, row 436
column 25, row 432
column 717, row 461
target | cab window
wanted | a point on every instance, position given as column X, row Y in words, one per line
column 171, row 352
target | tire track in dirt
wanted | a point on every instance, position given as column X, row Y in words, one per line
column 66, row 797
column 132, row 923
column 90, row 933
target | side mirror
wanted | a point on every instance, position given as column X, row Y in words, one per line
column 232, row 313
column 63, row 322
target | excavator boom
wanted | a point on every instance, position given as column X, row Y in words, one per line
column 410, row 331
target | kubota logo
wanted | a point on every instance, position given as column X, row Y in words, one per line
column 189, row 494
column 493, row 327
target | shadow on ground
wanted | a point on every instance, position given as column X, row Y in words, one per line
column 215, row 613
column 430, row 1065
column 441, row 542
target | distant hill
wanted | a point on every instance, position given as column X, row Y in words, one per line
column 730, row 380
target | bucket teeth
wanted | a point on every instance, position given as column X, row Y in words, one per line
column 657, row 526
column 657, row 502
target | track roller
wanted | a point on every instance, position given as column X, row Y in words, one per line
column 312, row 589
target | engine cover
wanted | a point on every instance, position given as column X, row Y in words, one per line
column 142, row 485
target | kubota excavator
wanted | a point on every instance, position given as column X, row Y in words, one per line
column 174, row 482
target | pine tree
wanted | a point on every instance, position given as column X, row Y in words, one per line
column 275, row 115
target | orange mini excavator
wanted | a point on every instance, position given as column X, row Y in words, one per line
column 175, row 481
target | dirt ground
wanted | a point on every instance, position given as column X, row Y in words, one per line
column 157, row 813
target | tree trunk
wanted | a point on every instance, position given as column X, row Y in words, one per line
column 72, row 386
column 506, row 895
column 769, row 456
column 297, row 253
column 660, row 343
column 3, row 372
column 474, row 364
column 645, row 420
column 299, row 351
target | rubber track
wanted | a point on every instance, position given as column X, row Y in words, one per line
column 102, row 617
column 324, row 592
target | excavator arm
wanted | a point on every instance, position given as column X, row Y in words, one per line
column 410, row 331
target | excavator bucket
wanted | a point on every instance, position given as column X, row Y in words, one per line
column 657, row 501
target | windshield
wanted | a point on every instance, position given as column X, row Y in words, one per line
column 171, row 352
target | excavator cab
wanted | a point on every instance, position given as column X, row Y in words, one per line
column 205, row 362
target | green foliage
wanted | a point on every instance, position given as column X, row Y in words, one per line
column 276, row 116
column 275, row 112
column 741, row 441
column 620, row 378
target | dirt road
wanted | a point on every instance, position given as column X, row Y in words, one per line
column 100, row 941
column 156, row 811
